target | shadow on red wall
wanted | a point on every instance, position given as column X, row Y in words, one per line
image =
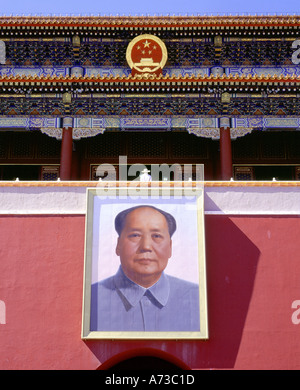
column 232, row 261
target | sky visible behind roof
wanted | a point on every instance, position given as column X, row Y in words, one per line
column 150, row 7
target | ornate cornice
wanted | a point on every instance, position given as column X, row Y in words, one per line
column 77, row 133
column 148, row 78
column 151, row 21
column 116, row 74
column 214, row 133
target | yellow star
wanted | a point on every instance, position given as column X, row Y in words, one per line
column 146, row 43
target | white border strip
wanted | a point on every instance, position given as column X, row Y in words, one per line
column 252, row 200
column 219, row 199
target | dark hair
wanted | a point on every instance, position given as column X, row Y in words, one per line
column 121, row 217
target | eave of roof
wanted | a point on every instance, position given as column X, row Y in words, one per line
column 150, row 21
column 138, row 79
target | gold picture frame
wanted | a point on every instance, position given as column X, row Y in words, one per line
column 187, row 264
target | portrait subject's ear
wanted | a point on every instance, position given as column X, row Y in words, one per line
column 118, row 247
column 170, row 248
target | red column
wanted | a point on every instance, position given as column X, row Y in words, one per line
column 66, row 150
column 225, row 149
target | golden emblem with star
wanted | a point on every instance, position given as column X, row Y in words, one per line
column 146, row 54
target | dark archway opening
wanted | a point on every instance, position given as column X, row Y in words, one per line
column 145, row 363
column 144, row 359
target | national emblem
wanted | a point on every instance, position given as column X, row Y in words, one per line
column 146, row 54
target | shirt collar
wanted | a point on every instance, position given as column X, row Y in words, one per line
column 133, row 292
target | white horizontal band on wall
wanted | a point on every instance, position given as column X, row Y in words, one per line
column 226, row 198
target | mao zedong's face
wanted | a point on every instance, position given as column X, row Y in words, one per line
column 144, row 246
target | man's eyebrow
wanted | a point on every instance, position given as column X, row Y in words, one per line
column 133, row 229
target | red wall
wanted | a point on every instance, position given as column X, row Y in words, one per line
column 253, row 274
